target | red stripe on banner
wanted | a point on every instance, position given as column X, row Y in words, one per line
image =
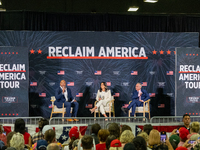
column 189, row 72
column 12, row 70
column 7, row 129
column 163, row 128
column 82, row 129
column 96, row 57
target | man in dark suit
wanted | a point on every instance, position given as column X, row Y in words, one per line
column 139, row 96
column 63, row 95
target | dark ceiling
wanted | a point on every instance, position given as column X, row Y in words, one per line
column 105, row 6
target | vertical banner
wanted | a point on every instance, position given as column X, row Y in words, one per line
column 187, row 81
column 14, row 79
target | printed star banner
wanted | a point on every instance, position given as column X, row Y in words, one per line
column 85, row 59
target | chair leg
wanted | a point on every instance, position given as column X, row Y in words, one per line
column 51, row 115
column 63, row 116
column 94, row 115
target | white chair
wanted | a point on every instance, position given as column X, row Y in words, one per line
column 109, row 108
column 142, row 109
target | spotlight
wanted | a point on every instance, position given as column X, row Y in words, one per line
column 150, row 1
column 133, row 8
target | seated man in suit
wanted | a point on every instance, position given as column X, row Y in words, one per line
column 63, row 95
column 138, row 97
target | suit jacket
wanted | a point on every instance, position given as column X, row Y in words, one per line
column 60, row 98
column 145, row 96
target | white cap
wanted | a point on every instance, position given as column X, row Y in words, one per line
column 45, row 128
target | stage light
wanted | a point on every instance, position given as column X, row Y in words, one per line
column 1, row 9
column 0, row 2
column 150, row 1
column 133, row 8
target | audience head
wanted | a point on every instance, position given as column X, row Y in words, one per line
column 126, row 137
column 9, row 137
column 129, row 146
column 103, row 134
column 114, row 129
column 194, row 127
column 42, row 123
column 140, row 143
column 147, row 128
column 19, row 126
column 17, row 141
column 45, row 128
column 95, row 128
column 186, row 120
column 87, row 142
column 53, row 146
column 73, row 134
column 125, row 127
column 41, row 145
column 194, row 137
column 115, row 145
column 154, row 137
column 144, row 135
column 1, row 129
column 174, row 140
column 183, row 133
column 75, row 143
column 109, row 139
column 50, row 136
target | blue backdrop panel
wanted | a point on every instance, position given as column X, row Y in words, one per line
column 14, row 79
column 121, row 74
column 187, row 81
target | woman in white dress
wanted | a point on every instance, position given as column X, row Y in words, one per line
column 103, row 97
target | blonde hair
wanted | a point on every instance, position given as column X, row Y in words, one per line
column 126, row 136
column 17, row 141
column 195, row 127
column 115, row 148
column 144, row 135
column 154, row 137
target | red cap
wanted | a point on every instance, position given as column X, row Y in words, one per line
column 183, row 132
column 74, row 132
column 115, row 143
column 181, row 148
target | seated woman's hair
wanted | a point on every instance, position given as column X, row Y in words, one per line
column 17, row 141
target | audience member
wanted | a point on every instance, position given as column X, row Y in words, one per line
column 38, row 136
column 174, row 140
column 140, row 143
column 194, row 129
column 125, row 127
column 9, row 137
column 129, row 146
column 102, row 134
column 53, row 146
column 126, row 137
column 20, row 127
column 183, row 132
column 2, row 135
column 75, row 144
column 73, row 134
column 115, row 145
column 147, row 128
column 186, row 121
column 87, row 142
column 144, row 135
column 114, row 129
column 109, row 139
column 94, row 130
column 17, row 141
column 42, row 145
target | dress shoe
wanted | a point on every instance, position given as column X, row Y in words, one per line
column 125, row 110
column 76, row 120
column 70, row 120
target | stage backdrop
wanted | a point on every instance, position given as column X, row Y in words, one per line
column 14, row 81
column 84, row 59
column 187, row 81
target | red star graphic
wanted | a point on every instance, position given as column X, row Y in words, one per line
column 161, row 52
column 32, row 51
column 193, row 54
column 16, row 52
column 174, row 52
column 39, row 51
column 1, row 52
column 13, row 52
column 190, row 54
column 197, row 54
column 9, row 53
column 168, row 52
column 154, row 52
column 5, row 52
column 186, row 54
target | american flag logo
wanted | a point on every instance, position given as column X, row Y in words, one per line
column 144, row 83
column 50, row 106
column 79, row 94
column 61, row 72
column 88, row 106
column 134, row 73
column 116, row 95
column 169, row 72
column 42, row 94
column 152, row 94
column 161, row 105
column 70, row 83
column 33, row 83
column 108, row 83
column 97, row 73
